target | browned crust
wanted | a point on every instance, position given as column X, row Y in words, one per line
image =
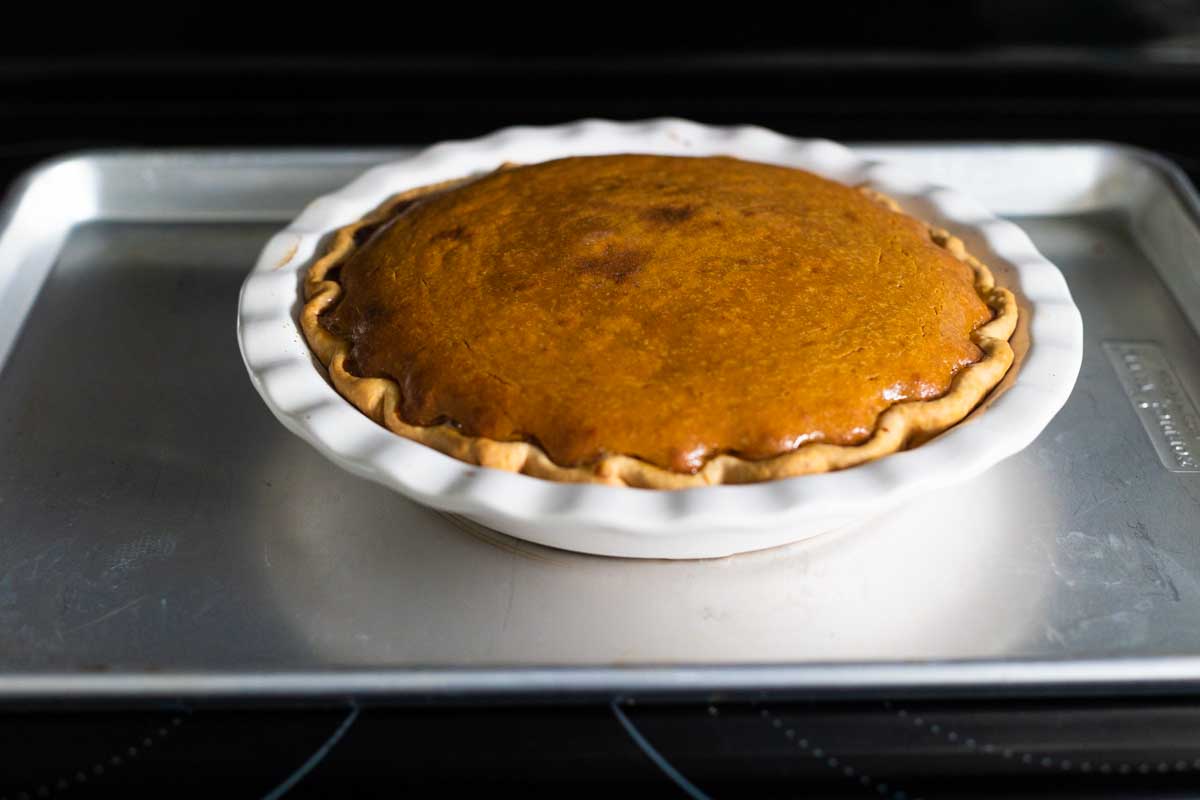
column 903, row 424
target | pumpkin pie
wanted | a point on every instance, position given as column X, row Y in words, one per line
column 654, row 321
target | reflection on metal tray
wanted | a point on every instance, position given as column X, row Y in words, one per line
column 161, row 534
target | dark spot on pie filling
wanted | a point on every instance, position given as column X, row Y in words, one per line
column 374, row 312
column 669, row 215
column 504, row 282
column 364, row 234
column 458, row 233
column 616, row 264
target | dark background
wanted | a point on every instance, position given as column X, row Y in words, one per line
column 346, row 75
column 1127, row 70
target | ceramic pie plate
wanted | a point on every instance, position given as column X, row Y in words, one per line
column 690, row 523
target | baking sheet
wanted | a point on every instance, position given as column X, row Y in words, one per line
column 162, row 535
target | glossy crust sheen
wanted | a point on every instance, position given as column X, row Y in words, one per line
column 901, row 425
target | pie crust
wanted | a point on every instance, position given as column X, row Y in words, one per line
column 903, row 424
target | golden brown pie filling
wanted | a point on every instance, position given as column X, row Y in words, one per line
column 667, row 309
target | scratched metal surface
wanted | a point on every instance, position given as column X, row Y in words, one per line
column 154, row 518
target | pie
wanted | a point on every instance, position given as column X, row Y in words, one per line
column 657, row 322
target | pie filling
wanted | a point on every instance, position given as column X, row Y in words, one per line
column 666, row 308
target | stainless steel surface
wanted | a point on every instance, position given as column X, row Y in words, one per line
column 161, row 533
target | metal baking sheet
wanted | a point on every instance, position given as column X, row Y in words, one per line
column 161, row 535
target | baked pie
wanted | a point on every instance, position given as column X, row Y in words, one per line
column 654, row 321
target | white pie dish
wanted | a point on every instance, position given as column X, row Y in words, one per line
column 690, row 523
